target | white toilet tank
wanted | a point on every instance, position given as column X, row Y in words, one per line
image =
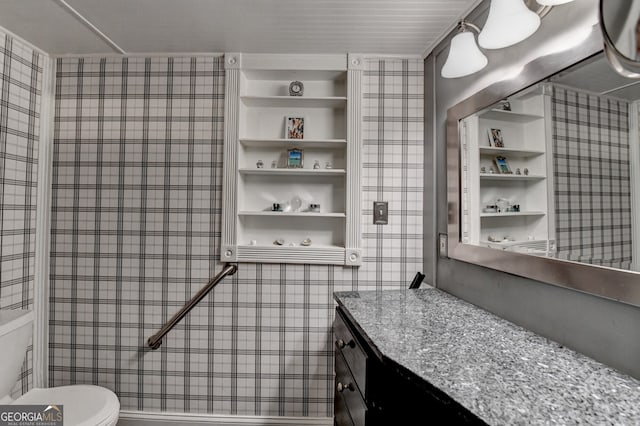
column 16, row 327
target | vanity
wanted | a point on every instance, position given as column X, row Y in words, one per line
column 410, row 356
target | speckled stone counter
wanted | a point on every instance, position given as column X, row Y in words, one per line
column 501, row 372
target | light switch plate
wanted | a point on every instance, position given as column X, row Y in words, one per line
column 442, row 245
column 380, row 212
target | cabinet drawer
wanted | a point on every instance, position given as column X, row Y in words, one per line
column 346, row 344
column 346, row 389
column 341, row 416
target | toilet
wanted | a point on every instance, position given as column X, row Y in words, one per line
column 83, row 405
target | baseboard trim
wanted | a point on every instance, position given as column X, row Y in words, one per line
column 144, row 418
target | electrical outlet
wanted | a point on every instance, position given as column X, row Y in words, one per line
column 442, row 245
column 380, row 212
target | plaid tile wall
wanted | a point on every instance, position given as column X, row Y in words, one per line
column 136, row 227
column 592, row 179
column 20, row 93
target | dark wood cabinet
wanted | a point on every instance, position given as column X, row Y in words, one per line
column 372, row 390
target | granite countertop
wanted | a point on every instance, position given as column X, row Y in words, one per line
column 502, row 373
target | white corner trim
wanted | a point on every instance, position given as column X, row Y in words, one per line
column 143, row 418
column 43, row 228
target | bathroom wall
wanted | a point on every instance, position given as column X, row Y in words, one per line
column 135, row 232
column 592, row 185
column 603, row 329
column 20, row 102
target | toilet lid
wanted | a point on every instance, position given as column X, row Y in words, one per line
column 84, row 405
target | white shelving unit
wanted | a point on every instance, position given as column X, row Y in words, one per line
column 256, row 106
column 526, row 134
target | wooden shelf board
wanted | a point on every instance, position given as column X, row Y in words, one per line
column 518, row 153
column 290, row 214
column 497, row 176
column 302, row 101
column 293, row 172
column 507, row 214
column 511, row 116
column 281, row 142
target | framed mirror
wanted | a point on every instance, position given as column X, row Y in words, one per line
column 543, row 177
column 620, row 24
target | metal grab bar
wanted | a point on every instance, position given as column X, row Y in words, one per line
column 155, row 341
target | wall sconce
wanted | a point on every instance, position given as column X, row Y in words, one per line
column 509, row 22
column 465, row 57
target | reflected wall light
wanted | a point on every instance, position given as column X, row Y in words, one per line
column 509, row 22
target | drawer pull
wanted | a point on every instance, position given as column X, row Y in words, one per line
column 341, row 344
column 341, row 388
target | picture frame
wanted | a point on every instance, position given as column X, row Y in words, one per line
column 495, row 138
column 295, row 158
column 503, row 165
column 294, row 127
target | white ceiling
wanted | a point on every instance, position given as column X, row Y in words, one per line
column 258, row 26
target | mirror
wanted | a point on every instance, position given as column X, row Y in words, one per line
column 548, row 171
column 542, row 180
column 620, row 23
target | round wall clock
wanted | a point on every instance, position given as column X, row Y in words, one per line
column 296, row 88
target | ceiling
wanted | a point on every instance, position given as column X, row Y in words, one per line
column 404, row 27
column 597, row 76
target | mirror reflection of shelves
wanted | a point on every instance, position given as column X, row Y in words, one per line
column 523, row 189
column 281, row 211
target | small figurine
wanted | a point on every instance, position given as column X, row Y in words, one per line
column 316, row 164
column 518, row 172
column 279, row 242
column 492, row 170
column 259, row 164
column 274, row 164
column 314, row 208
column 526, row 171
column 276, row 207
column 328, row 165
column 306, row 242
column 483, row 169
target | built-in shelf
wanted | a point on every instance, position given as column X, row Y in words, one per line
column 281, row 142
column 257, row 108
column 299, row 101
column 525, row 131
column 290, row 214
column 496, row 176
column 509, row 152
column 293, row 172
column 510, row 116
column 506, row 214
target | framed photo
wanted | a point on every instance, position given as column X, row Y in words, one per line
column 503, row 165
column 294, row 128
column 295, row 159
column 495, row 138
